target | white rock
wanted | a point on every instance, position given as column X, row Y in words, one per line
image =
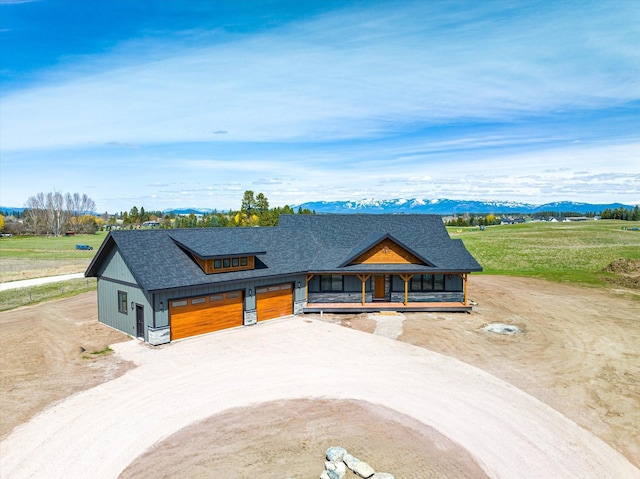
column 335, row 453
column 382, row 475
column 324, row 475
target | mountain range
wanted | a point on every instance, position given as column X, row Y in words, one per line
column 443, row 206
column 438, row 206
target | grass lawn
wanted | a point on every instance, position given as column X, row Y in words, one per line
column 45, row 247
column 565, row 252
column 14, row 298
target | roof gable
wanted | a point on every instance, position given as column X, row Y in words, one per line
column 381, row 248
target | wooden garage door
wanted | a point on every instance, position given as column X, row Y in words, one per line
column 274, row 301
column 203, row 314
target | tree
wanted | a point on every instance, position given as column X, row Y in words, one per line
column 78, row 206
column 134, row 215
column 57, row 215
column 1, row 223
column 35, row 214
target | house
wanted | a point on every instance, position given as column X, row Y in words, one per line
column 163, row 285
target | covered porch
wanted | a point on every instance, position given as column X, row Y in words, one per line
column 387, row 291
column 378, row 306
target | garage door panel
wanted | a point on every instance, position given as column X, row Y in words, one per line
column 274, row 301
column 205, row 314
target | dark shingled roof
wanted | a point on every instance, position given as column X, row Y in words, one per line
column 300, row 244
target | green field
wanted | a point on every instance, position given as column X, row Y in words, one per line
column 563, row 252
column 45, row 247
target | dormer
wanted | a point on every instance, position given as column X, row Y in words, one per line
column 220, row 257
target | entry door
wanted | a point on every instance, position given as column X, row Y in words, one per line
column 378, row 288
column 140, row 321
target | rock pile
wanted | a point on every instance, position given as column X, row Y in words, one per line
column 339, row 460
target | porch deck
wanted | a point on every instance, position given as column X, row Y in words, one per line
column 378, row 306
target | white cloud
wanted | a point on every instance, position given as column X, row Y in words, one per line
column 354, row 74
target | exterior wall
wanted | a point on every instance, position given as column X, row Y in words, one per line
column 340, row 297
column 114, row 267
column 108, row 306
column 453, row 293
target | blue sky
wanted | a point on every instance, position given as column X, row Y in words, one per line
column 177, row 104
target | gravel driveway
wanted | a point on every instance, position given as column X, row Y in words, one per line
column 98, row 432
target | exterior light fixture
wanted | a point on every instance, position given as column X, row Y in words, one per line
column 250, row 292
column 131, row 305
column 161, row 306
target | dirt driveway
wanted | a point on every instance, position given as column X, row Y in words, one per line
column 578, row 353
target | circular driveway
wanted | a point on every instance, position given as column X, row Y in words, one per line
column 98, row 432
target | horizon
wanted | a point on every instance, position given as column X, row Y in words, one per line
column 172, row 103
column 359, row 203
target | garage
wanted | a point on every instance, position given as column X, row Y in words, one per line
column 274, row 301
column 204, row 314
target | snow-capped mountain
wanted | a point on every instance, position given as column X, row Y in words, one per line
column 442, row 206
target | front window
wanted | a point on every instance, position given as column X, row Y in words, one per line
column 122, row 302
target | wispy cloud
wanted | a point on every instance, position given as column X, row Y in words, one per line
column 479, row 100
column 353, row 74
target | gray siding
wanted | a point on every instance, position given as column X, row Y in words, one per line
column 108, row 306
column 114, row 267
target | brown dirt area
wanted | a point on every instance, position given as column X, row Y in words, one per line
column 578, row 352
column 46, row 356
column 624, row 272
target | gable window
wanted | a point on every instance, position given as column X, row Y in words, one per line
column 122, row 302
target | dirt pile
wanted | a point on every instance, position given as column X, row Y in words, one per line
column 624, row 272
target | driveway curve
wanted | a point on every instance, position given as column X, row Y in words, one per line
column 98, row 432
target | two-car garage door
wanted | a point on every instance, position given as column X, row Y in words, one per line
column 204, row 314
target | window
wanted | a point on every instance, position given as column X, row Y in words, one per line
column 427, row 282
column 122, row 302
column 235, row 262
column 226, row 263
column 331, row 283
column 243, row 261
column 217, row 264
column 314, row 284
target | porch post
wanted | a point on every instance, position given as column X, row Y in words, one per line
column 464, row 279
column 363, row 278
column 306, row 288
column 406, row 278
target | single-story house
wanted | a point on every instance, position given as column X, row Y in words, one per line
column 163, row 285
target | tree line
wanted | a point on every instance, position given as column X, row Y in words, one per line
column 624, row 214
column 254, row 211
column 56, row 214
